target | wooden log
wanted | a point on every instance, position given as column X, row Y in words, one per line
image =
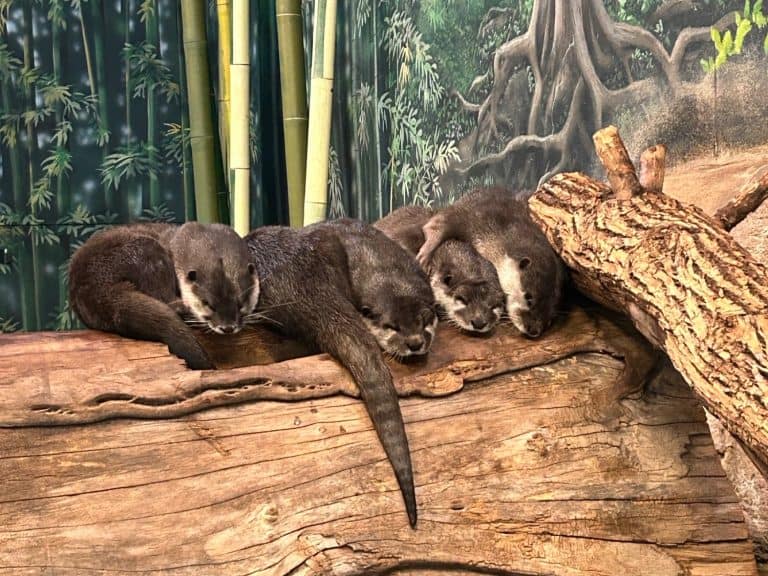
column 129, row 378
column 542, row 466
column 687, row 285
column 746, row 201
column 615, row 158
column 652, row 165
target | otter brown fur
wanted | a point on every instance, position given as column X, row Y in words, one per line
column 464, row 283
column 307, row 293
column 500, row 228
column 139, row 280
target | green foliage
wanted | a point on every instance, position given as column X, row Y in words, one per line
column 160, row 213
column 335, row 185
column 175, row 141
column 150, row 72
column 134, row 160
column 731, row 43
column 8, row 325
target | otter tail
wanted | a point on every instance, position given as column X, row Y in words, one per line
column 357, row 350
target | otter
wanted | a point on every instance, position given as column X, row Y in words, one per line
column 388, row 288
column 464, row 283
column 307, row 293
column 153, row 281
column 500, row 228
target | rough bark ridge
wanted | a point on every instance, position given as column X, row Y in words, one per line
column 125, row 378
column 687, row 285
column 571, row 47
column 564, row 467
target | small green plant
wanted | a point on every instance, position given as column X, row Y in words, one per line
column 730, row 43
column 8, row 325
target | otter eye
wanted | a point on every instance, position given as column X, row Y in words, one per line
column 366, row 311
column 251, row 269
column 391, row 327
column 447, row 279
column 192, row 275
column 528, row 297
column 524, row 263
column 461, row 300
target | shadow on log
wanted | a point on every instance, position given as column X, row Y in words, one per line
column 553, row 460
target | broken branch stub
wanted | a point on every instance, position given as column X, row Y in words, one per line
column 615, row 159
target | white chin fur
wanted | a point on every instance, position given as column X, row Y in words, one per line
column 189, row 299
column 447, row 303
column 509, row 278
column 253, row 295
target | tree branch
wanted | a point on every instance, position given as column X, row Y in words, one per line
column 746, row 201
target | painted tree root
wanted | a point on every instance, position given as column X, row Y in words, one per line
column 686, row 284
column 553, row 460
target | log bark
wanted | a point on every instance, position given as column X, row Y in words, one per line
column 652, row 166
column 555, row 460
column 746, row 201
column 615, row 158
column 45, row 379
column 687, row 285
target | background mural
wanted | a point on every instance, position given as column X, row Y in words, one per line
column 431, row 98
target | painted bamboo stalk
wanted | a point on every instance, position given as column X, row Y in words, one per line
column 239, row 152
column 224, row 19
column 200, row 123
column 294, row 99
column 153, row 37
column 19, row 204
column 186, row 157
column 97, row 18
column 34, row 286
column 87, row 52
column 320, row 107
column 63, row 203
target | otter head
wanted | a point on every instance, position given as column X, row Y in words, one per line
column 466, row 287
column 219, row 285
column 402, row 325
column 532, row 279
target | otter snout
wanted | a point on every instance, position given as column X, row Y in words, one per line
column 415, row 344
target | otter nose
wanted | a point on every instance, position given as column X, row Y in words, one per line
column 415, row 345
column 533, row 332
column 479, row 323
column 228, row 329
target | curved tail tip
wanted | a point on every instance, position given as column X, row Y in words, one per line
column 410, row 507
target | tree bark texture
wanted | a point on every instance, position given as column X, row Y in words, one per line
column 554, row 459
column 686, row 284
column 746, row 200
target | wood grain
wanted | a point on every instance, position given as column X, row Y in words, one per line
column 556, row 469
column 78, row 377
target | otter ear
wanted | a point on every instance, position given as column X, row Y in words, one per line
column 251, row 269
column 524, row 263
column 192, row 275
